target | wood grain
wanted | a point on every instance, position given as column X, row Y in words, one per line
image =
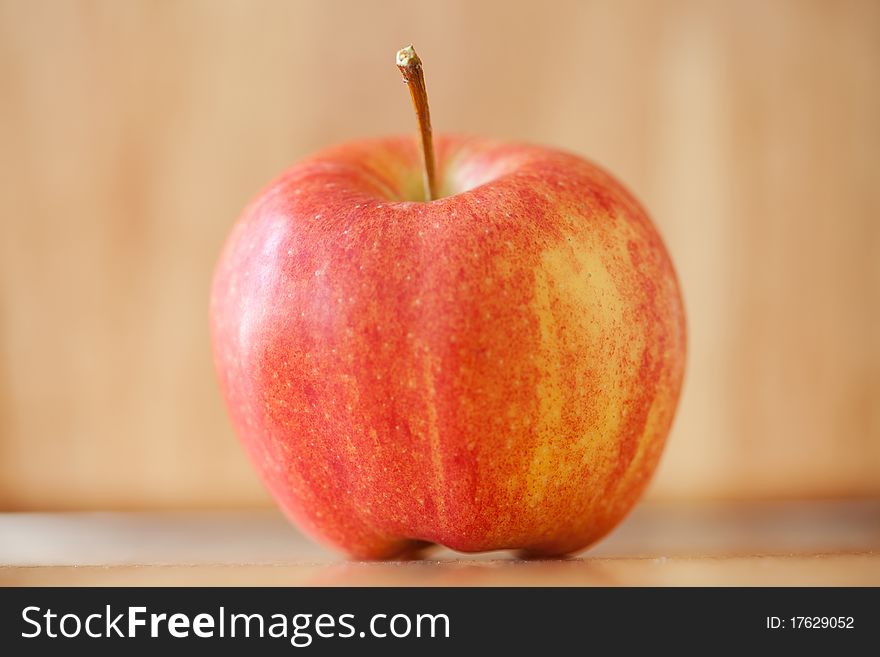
column 132, row 133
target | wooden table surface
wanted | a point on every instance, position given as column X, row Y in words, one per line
column 805, row 543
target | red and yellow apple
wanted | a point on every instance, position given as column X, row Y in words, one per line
column 494, row 369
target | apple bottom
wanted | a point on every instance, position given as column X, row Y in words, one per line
column 554, row 518
column 363, row 546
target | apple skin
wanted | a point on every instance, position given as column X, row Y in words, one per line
column 495, row 369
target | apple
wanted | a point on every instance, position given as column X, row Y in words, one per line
column 496, row 368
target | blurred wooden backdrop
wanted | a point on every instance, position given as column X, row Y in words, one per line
column 132, row 133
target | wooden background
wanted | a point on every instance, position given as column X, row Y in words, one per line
column 132, row 133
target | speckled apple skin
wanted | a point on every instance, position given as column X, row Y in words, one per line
column 496, row 369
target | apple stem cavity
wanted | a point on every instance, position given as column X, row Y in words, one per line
column 414, row 77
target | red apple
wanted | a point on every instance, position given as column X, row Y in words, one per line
column 497, row 368
column 481, row 348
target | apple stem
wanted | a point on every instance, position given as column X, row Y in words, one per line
column 411, row 67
